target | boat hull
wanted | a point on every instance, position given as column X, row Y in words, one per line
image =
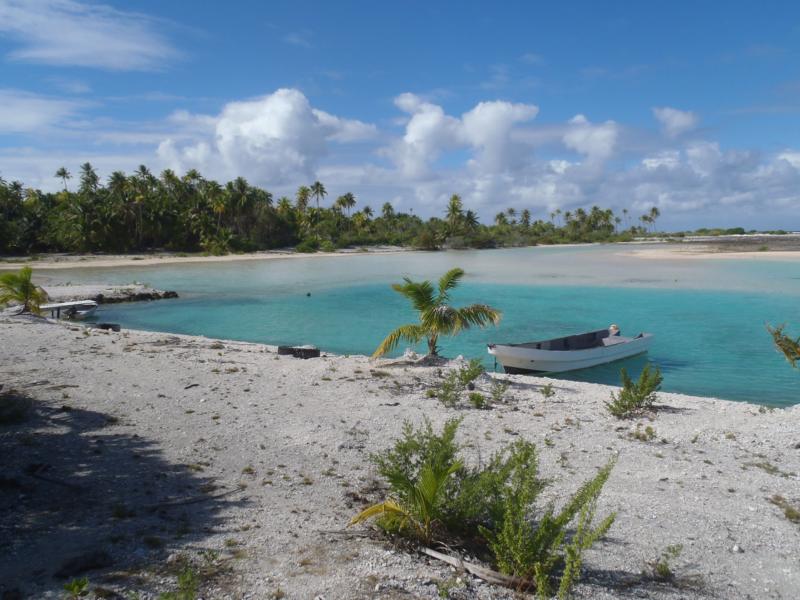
column 521, row 359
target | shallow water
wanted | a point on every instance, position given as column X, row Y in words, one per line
column 708, row 316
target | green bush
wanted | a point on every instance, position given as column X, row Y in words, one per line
column 470, row 372
column 327, row 246
column 449, row 390
column 635, row 398
column 308, row 246
column 435, row 497
column 477, row 400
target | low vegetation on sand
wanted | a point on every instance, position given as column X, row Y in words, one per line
column 436, row 316
column 434, row 497
column 637, row 397
column 18, row 288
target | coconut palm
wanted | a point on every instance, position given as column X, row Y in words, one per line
column 63, row 174
column 18, row 288
column 436, row 316
column 318, row 191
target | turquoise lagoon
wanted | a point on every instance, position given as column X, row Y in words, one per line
column 708, row 315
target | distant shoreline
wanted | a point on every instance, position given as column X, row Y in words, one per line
column 760, row 247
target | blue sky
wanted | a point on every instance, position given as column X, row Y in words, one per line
column 692, row 107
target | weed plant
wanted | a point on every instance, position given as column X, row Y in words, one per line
column 435, row 497
column 635, row 398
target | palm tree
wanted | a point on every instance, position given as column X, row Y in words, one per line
column 301, row 198
column 318, row 191
column 455, row 213
column 654, row 214
column 786, row 345
column 63, row 174
column 387, row 211
column 18, row 287
column 436, row 316
column 525, row 218
column 347, row 202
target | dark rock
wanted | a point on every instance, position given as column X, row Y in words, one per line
column 109, row 326
column 299, row 351
column 82, row 563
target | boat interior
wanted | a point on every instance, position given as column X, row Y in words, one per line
column 581, row 341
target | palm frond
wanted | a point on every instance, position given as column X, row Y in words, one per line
column 412, row 333
column 442, row 319
column 448, row 281
column 420, row 293
column 789, row 347
column 479, row 315
column 382, row 508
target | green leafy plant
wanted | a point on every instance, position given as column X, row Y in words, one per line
column 434, row 497
column 188, row 585
column 20, row 289
column 436, row 316
column 547, row 391
column 450, row 389
column 787, row 346
column 661, row 568
column 635, row 398
column 470, row 372
column 498, row 390
column 477, row 400
column 77, row 587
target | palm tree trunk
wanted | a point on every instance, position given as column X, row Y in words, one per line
column 432, row 349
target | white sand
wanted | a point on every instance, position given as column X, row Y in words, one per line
column 157, row 417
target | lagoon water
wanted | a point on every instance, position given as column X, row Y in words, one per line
column 708, row 316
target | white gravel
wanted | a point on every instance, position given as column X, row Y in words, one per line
column 138, row 420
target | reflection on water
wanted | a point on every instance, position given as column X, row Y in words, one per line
column 708, row 316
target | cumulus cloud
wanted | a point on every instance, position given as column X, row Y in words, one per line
column 279, row 138
column 485, row 129
column 23, row 112
column 67, row 32
column 595, row 142
column 674, row 122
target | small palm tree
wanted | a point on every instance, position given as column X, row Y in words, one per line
column 786, row 345
column 18, row 287
column 436, row 316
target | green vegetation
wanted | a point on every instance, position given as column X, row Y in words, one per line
column 790, row 512
column 142, row 211
column 76, row 588
column 788, row 346
column 662, row 570
column 547, row 391
column 436, row 316
column 470, row 372
column 635, row 398
column 188, row 585
column 434, row 497
column 18, row 288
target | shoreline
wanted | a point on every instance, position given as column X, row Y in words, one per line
column 683, row 250
column 280, row 447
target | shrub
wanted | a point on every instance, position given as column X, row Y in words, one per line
column 307, row 246
column 327, row 246
column 498, row 390
column 470, row 372
column 434, row 497
column 449, row 391
column 635, row 398
column 477, row 400
column 547, row 391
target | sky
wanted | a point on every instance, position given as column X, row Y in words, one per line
column 693, row 107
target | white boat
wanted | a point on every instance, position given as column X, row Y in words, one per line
column 570, row 352
column 77, row 309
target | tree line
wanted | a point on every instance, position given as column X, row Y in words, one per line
column 142, row 211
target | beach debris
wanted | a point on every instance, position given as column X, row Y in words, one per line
column 303, row 352
column 191, row 385
column 108, row 326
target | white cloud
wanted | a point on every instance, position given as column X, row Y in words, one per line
column 67, row 32
column 277, row 138
column 299, row 38
column 595, row 142
column 674, row 122
column 23, row 112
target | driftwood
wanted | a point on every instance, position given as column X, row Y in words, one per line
column 517, row 583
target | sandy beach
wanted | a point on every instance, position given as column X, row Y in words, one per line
column 144, row 452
